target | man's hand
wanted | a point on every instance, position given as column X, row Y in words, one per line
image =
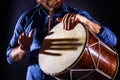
column 25, row 41
column 69, row 21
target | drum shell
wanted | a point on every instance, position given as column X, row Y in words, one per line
column 97, row 62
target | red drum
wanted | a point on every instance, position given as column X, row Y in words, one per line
column 77, row 54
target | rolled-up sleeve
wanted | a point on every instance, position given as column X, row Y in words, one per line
column 107, row 36
column 14, row 40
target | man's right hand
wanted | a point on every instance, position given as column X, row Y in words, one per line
column 25, row 41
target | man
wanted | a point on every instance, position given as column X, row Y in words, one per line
column 33, row 26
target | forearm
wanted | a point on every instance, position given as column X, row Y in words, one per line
column 17, row 54
column 103, row 32
column 92, row 26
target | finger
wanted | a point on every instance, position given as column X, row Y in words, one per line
column 65, row 21
column 77, row 18
column 23, row 34
column 70, row 21
column 31, row 33
column 73, row 20
column 20, row 40
column 59, row 19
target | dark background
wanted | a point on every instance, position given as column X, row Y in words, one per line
column 105, row 11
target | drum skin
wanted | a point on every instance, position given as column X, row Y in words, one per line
column 77, row 54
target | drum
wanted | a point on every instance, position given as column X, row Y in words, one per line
column 77, row 54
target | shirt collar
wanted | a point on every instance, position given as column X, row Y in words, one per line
column 65, row 8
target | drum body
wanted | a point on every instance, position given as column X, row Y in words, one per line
column 77, row 54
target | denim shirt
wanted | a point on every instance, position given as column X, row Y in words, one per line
column 37, row 19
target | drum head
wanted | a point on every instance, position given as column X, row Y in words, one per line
column 61, row 48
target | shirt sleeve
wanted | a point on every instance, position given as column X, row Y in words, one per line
column 14, row 40
column 107, row 36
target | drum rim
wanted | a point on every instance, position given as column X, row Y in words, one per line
column 75, row 62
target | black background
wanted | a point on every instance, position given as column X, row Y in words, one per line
column 105, row 11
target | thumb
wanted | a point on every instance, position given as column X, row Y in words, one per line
column 59, row 19
column 31, row 33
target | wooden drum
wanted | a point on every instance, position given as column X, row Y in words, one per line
column 77, row 54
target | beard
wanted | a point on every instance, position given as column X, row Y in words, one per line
column 50, row 3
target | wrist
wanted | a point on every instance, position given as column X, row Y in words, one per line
column 24, row 50
column 100, row 31
column 83, row 19
column 86, row 21
column 17, row 54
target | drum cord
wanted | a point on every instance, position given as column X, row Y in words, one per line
column 50, row 18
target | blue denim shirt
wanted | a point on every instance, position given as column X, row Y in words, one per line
column 37, row 19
